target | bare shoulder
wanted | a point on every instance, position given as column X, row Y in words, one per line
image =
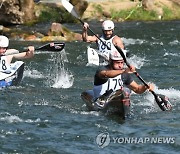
column 116, row 38
column 118, row 41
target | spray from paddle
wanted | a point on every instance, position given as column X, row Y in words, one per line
column 62, row 78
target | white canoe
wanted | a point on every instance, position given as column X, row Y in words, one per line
column 13, row 76
column 97, row 58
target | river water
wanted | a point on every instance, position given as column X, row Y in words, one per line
column 45, row 114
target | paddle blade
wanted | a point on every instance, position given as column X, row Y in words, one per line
column 70, row 8
column 54, row 47
column 163, row 102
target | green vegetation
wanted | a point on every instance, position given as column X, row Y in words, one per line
column 168, row 14
column 98, row 10
column 48, row 14
column 138, row 13
column 59, row 14
column 53, row 14
column 134, row 14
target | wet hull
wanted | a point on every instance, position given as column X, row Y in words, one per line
column 114, row 104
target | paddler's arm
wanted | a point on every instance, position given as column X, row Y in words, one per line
column 85, row 36
column 24, row 55
column 114, row 73
column 117, row 41
column 11, row 52
column 139, row 89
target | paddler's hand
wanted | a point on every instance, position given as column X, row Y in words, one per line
column 151, row 87
column 30, row 52
column 85, row 26
column 130, row 69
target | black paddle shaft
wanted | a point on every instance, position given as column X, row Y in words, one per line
column 54, row 46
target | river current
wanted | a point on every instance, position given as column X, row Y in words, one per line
column 45, row 114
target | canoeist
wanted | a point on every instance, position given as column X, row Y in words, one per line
column 113, row 83
column 114, row 76
column 107, row 37
column 7, row 55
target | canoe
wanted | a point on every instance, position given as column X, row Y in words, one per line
column 112, row 102
column 98, row 58
column 13, row 76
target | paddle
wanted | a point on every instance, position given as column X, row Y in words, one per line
column 53, row 47
column 161, row 100
column 70, row 8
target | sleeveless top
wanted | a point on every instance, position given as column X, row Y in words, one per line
column 103, row 48
column 102, row 85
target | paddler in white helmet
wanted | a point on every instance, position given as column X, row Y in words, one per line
column 7, row 55
column 107, row 37
column 114, row 77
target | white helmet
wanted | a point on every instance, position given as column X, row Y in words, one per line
column 107, row 25
column 115, row 55
column 4, row 41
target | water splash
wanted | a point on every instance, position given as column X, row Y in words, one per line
column 133, row 41
column 145, row 103
column 175, row 42
column 62, row 77
column 171, row 93
column 136, row 61
column 171, row 54
column 33, row 74
column 10, row 118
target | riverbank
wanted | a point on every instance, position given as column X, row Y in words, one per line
column 54, row 16
column 132, row 10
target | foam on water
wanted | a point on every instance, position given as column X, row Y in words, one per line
column 130, row 41
column 171, row 54
column 171, row 93
column 150, row 103
column 35, row 74
column 175, row 42
column 9, row 118
column 137, row 61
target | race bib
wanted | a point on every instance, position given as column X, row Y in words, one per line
column 4, row 66
column 115, row 83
